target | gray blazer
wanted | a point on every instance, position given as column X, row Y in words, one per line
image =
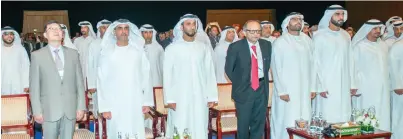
column 50, row 95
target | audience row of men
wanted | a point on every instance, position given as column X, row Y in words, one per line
column 319, row 69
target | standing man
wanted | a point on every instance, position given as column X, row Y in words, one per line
column 371, row 67
column 395, row 33
column 155, row 55
column 124, row 87
column 396, row 74
column 228, row 36
column 83, row 44
column 247, row 66
column 14, row 63
column 291, row 66
column 57, row 91
column 267, row 30
column 93, row 55
column 333, row 66
column 154, row 52
column 190, row 86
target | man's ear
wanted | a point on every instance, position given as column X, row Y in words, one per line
column 45, row 35
column 182, row 28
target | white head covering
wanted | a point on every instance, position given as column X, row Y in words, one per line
column 148, row 27
column 265, row 22
column 391, row 19
column 389, row 29
column 108, row 42
column 365, row 29
column 324, row 22
column 200, row 34
column 67, row 40
column 286, row 21
column 89, row 25
column 306, row 24
column 17, row 38
column 224, row 34
column 102, row 23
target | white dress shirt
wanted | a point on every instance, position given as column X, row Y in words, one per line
column 259, row 57
column 61, row 55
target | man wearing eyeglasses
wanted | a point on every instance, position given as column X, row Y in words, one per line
column 56, row 86
column 247, row 66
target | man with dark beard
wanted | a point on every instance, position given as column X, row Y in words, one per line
column 14, row 64
column 333, row 66
column 291, row 66
column 83, row 44
column 188, row 61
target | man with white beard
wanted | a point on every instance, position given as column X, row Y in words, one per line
column 228, row 36
column 124, row 81
column 93, row 55
column 396, row 74
column 395, row 33
column 154, row 52
column 371, row 70
column 333, row 66
column 83, row 44
column 291, row 66
column 267, row 30
column 14, row 63
column 190, row 86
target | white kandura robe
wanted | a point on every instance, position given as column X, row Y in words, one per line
column 372, row 78
column 155, row 54
column 93, row 56
column 391, row 40
column 83, row 46
column 190, row 82
column 220, row 52
column 396, row 74
column 14, row 70
column 124, row 87
column 291, row 67
column 332, row 68
column 271, row 39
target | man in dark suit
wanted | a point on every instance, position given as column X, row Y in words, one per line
column 247, row 66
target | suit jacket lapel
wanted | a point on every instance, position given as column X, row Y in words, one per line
column 246, row 53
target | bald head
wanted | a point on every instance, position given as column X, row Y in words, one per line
column 252, row 30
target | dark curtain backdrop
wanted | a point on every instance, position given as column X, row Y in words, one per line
column 163, row 15
column 361, row 11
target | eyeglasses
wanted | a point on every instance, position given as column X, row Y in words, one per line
column 254, row 31
column 54, row 29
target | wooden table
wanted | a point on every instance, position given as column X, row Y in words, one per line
column 304, row 134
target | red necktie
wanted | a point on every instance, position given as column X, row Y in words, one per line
column 254, row 70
